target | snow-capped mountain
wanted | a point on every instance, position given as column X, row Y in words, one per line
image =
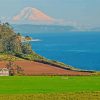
column 34, row 15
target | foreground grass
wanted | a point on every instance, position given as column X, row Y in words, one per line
column 48, row 84
column 53, row 96
column 50, row 88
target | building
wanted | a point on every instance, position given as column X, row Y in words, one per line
column 4, row 72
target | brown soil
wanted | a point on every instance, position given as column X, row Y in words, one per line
column 35, row 68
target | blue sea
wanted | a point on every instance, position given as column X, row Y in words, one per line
column 78, row 49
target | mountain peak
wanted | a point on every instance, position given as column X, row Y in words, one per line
column 33, row 15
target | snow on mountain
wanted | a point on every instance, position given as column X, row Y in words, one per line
column 32, row 15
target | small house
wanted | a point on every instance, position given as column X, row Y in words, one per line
column 4, row 72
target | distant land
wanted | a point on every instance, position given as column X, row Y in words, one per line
column 31, row 28
column 95, row 29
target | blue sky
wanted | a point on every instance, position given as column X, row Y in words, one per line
column 81, row 12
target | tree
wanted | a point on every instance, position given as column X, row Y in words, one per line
column 28, row 38
column 19, row 70
column 26, row 48
column 6, row 33
column 10, row 68
column 15, row 45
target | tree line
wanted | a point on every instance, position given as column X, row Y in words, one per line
column 10, row 42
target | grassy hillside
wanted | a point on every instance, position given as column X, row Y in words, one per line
column 34, row 57
column 8, row 57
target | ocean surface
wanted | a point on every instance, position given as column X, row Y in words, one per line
column 78, row 49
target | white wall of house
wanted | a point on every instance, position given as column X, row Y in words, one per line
column 4, row 72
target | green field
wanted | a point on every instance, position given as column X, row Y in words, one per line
column 48, row 84
column 49, row 87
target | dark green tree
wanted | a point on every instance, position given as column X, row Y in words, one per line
column 26, row 48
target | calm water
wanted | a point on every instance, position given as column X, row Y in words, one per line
column 79, row 49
